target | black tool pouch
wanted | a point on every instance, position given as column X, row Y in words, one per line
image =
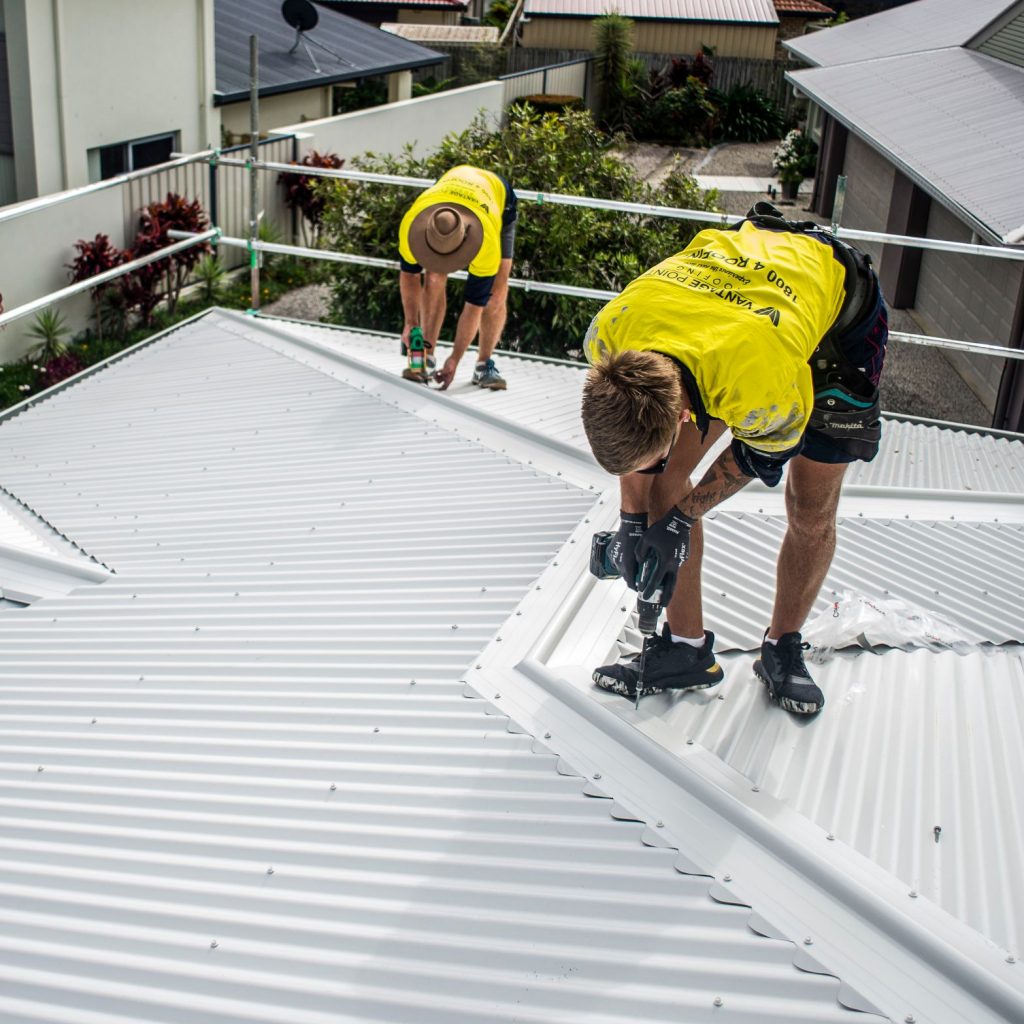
column 838, row 413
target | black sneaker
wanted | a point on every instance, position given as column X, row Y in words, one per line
column 667, row 666
column 781, row 667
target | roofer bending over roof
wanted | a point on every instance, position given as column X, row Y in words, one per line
column 465, row 220
column 776, row 331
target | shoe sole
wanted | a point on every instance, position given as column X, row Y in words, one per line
column 621, row 688
column 798, row 707
column 491, row 387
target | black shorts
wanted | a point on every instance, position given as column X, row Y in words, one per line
column 856, row 398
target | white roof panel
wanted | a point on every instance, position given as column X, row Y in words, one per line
column 909, row 28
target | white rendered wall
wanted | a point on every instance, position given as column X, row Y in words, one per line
column 85, row 75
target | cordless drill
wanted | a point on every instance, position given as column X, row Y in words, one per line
column 601, row 567
column 417, row 368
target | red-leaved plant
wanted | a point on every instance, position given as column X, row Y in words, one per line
column 302, row 195
column 58, row 369
column 173, row 213
column 93, row 258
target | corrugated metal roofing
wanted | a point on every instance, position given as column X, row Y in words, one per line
column 753, row 12
column 964, row 144
column 547, row 399
column 364, row 50
column 240, row 779
column 470, row 34
column 1007, row 42
column 910, row 28
column 910, row 743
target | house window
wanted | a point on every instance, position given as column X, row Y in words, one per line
column 109, row 161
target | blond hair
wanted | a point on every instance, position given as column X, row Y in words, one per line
column 631, row 406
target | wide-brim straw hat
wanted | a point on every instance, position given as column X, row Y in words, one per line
column 445, row 237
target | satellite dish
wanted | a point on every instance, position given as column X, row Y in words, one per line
column 303, row 17
column 300, row 14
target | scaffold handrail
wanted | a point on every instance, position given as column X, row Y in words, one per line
column 187, row 241
column 641, row 209
column 574, row 291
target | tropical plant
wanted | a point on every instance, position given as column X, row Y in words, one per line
column 498, row 13
column 431, row 85
column 59, row 368
column 300, row 193
column 209, row 273
column 93, row 258
column 564, row 153
column 746, row 114
column 613, row 46
column 684, row 116
column 51, row 329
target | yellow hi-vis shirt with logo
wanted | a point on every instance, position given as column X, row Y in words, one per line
column 743, row 311
column 480, row 191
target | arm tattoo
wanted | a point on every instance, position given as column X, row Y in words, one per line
column 722, row 480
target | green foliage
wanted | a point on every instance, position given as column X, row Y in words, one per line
column 209, row 273
column 431, row 85
column 747, row 115
column 51, row 329
column 564, row 153
column 613, row 47
column 794, row 158
column 684, row 116
column 553, row 102
column 498, row 13
column 370, row 92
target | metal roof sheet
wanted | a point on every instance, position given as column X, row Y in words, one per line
column 910, row 28
column 469, row 34
column 364, row 50
column 963, row 145
column 912, row 742
column 241, row 777
column 547, row 399
column 753, row 12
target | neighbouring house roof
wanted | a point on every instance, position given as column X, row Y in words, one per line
column 752, row 12
column 470, row 35
column 455, row 5
column 1004, row 38
column 924, row 25
column 808, row 8
column 364, row 50
column 304, row 757
column 962, row 143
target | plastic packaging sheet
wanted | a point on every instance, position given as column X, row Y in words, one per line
column 859, row 620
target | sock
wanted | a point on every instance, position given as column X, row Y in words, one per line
column 693, row 641
column 769, row 640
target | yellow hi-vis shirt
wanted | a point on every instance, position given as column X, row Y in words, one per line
column 483, row 193
column 743, row 311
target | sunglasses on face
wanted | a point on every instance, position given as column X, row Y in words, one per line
column 659, row 466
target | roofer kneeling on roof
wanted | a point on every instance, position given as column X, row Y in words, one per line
column 773, row 330
column 465, row 220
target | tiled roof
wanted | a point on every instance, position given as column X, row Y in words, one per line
column 809, row 7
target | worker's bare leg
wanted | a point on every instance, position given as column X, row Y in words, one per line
column 433, row 305
column 492, row 323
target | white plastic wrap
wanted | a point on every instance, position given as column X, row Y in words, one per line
column 859, row 620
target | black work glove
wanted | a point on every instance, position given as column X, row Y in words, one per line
column 662, row 550
column 622, row 550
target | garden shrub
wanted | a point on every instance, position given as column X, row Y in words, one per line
column 299, row 193
column 555, row 103
column 554, row 243
column 746, row 115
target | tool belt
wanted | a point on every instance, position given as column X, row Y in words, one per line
column 846, row 403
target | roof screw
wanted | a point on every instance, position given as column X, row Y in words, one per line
column 93, row 722
column 197, row 629
column 755, row 789
column 455, row 627
column 808, row 941
column 831, row 836
column 726, row 878
column 623, row 608
column 270, row 871
column 597, row 775
column 937, row 832
column 412, row 682
column 376, row 729
column 333, row 787
column 517, row 613
column 40, row 768
column 214, row 944
column 912, row 894
column 909, row 1019
column 547, row 735
column 659, row 824
column 1011, row 959
column 689, row 743
column 718, row 1000
column 141, row 678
